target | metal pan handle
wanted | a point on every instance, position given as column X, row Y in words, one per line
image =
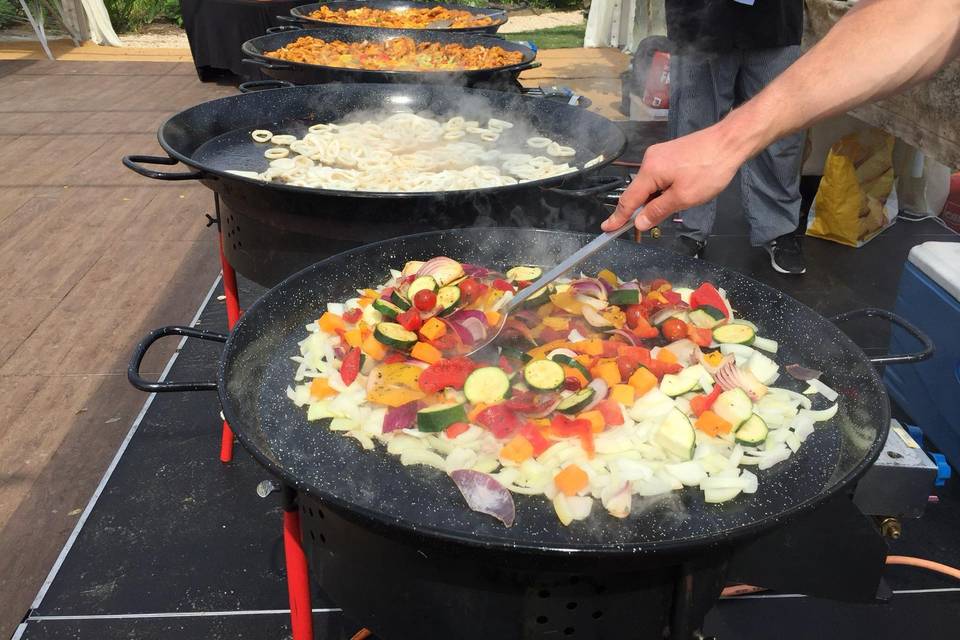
column 533, row 64
column 264, row 85
column 133, row 369
column 290, row 19
column 131, row 162
column 266, row 65
column 892, row 318
column 285, row 27
column 603, row 184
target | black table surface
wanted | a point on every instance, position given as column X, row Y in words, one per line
column 216, row 30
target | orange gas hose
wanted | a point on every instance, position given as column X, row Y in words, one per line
column 929, row 565
column 910, row 561
column 360, row 635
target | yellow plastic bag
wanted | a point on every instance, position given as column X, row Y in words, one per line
column 856, row 199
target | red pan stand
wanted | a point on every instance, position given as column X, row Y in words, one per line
column 298, row 576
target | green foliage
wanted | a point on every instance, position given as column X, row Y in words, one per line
column 10, row 13
column 554, row 38
column 131, row 15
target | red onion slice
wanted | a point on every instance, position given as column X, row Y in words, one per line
column 799, row 372
column 464, row 314
column 731, row 377
column 546, row 407
column 485, row 495
column 591, row 287
column 462, row 332
column 628, row 337
column 401, row 417
column 477, row 329
column 685, row 350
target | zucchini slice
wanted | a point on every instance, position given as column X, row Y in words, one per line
column 525, row 273
column 570, row 362
column 576, row 402
column 487, row 385
column 543, row 375
column 752, row 432
column 734, row 334
column 622, row 297
column 540, row 298
column 707, row 317
column 393, row 335
column 676, row 436
column 389, row 310
column 421, row 283
column 734, row 406
column 438, row 417
column 399, row 300
column 675, row 385
column 449, row 299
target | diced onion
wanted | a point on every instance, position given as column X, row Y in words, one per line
column 823, row 390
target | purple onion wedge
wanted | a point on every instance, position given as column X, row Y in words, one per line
column 485, row 495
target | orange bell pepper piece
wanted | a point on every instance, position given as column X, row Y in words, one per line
column 320, row 389
column 595, row 418
column 642, row 381
column 517, row 450
column 608, row 371
column 433, row 329
column 331, row 322
column 426, row 353
column 665, row 355
column 373, row 348
column 571, row 480
column 712, row 424
column 623, row 393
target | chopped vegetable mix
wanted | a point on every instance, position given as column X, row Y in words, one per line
column 602, row 388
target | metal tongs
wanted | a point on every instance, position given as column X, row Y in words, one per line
column 579, row 256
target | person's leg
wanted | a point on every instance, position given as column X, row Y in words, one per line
column 701, row 92
column 770, row 182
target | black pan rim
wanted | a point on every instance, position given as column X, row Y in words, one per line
column 492, row 545
column 208, row 173
column 499, row 16
column 252, row 48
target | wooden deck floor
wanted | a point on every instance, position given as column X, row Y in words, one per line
column 91, row 255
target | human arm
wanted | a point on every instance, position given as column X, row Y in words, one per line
column 880, row 47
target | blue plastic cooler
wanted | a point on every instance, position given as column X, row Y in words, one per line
column 929, row 296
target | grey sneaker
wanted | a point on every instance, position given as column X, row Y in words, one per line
column 786, row 255
column 687, row 246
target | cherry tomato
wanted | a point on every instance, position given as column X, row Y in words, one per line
column 410, row 320
column 674, row 329
column 571, row 383
column 425, row 300
column 469, row 289
column 502, row 285
column 352, row 315
column 635, row 315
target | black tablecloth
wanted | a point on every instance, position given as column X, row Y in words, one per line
column 217, row 28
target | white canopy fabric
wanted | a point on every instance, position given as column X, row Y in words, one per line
column 83, row 20
column 624, row 23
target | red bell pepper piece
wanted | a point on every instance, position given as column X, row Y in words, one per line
column 707, row 295
column 350, row 367
column 565, row 427
column 610, row 411
column 700, row 337
column 672, row 297
column 394, row 358
column 451, row 372
column 645, row 330
column 532, row 433
column 629, row 359
column 660, row 368
column 352, row 316
column 456, row 429
column 504, row 364
column 610, row 348
column 499, row 420
column 502, row 285
column 410, row 320
column 701, row 403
